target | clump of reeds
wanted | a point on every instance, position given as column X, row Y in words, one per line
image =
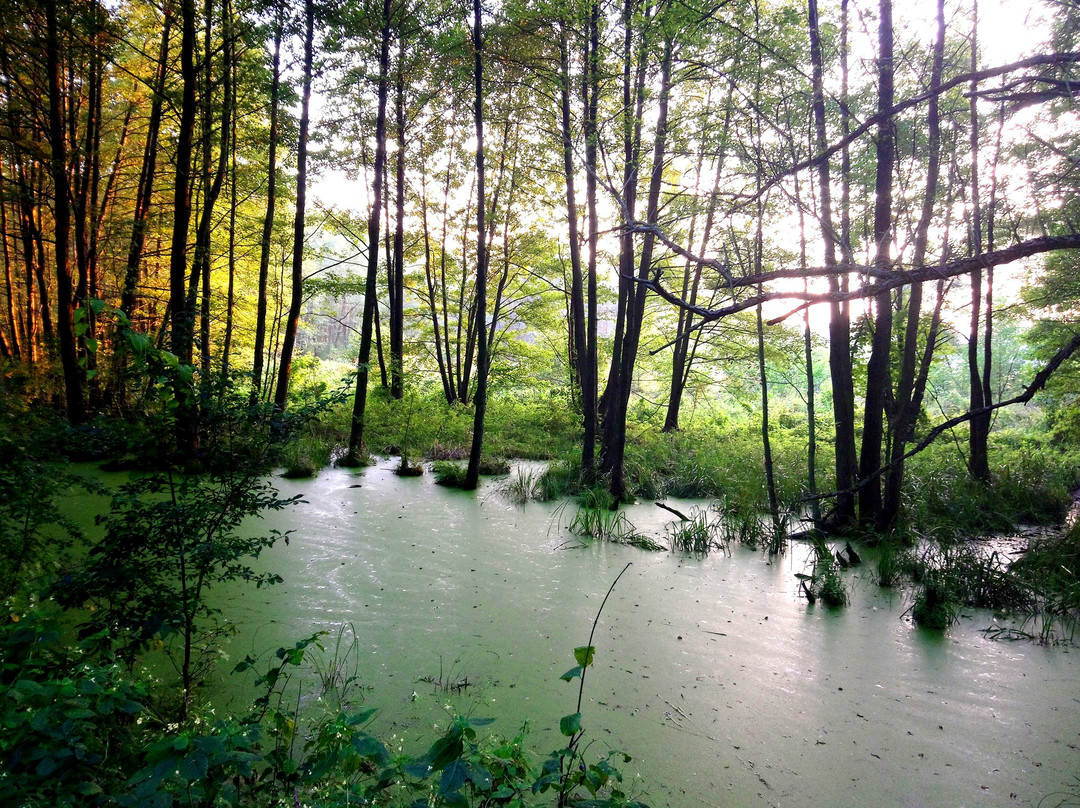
column 934, row 606
column 700, row 533
column 826, row 581
column 608, row 525
column 449, row 474
column 521, row 487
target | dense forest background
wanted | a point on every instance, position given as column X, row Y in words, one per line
column 644, row 212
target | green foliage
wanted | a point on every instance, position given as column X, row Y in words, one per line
column 894, row 564
column 34, row 535
column 1050, row 567
column 609, row 525
column 168, row 540
column 934, row 608
column 566, row 771
column 449, row 473
column 701, row 533
column 70, row 718
column 1031, row 484
column 831, row 588
column 826, row 581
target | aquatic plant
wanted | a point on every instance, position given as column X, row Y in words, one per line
column 934, row 607
column 893, row 564
column 830, row 587
column 558, row 480
column 699, row 532
column 565, row 770
column 522, row 486
column 449, row 473
column 612, row 526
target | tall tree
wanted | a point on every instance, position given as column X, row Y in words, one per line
column 76, row 408
column 354, row 455
column 271, row 206
column 844, row 453
column 182, row 316
column 878, row 368
column 904, row 413
column 979, row 428
column 483, row 361
column 296, row 299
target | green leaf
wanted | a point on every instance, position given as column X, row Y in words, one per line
column 584, row 655
column 570, row 725
column 445, row 750
column 573, row 673
column 453, row 777
column 193, row 767
column 91, row 344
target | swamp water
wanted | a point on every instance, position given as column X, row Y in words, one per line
column 725, row 686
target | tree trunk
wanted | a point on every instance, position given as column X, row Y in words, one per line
column 903, row 413
column 181, row 314
column 65, row 303
column 363, row 361
column 877, row 370
column 397, row 267
column 619, row 401
column 578, row 354
column 145, row 188
column 483, row 361
column 296, row 301
column 839, row 329
column 979, row 428
column 268, row 217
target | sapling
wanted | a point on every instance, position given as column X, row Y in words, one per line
column 565, row 768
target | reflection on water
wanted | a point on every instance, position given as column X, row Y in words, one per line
column 726, row 688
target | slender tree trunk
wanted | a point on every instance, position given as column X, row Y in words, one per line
column 182, row 317
column 281, row 395
column 226, row 343
column 839, row 330
column 904, row 415
column 615, row 424
column 578, row 354
column 363, row 361
column 483, row 360
column 397, row 267
column 432, row 290
column 877, row 370
column 979, row 427
column 14, row 347
column 145, row 188
column 268, row 217
column 76, row 408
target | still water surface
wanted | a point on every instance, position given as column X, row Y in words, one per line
column 724, row 685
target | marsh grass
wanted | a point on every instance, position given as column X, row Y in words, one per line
column 831, row 588
column 560, row 479
column 611, row 526
column 893, row 565
column 306, row 455
column 522, row 487
column 934, row 608
column 449, row 473
column 701, row 533
column 1050, row 566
